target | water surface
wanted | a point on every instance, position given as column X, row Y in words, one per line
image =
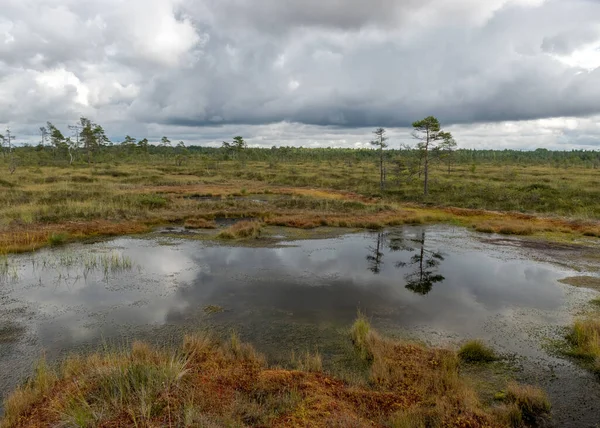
column 437, row 284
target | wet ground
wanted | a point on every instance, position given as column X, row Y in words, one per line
column 440, row 285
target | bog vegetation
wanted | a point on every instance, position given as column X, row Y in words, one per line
column 83, row 185
column 214, row 383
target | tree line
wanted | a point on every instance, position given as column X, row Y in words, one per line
column 89, row 144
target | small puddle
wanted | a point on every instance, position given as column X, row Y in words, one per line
column 437, row 284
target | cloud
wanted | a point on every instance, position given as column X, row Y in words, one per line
column 337, row 64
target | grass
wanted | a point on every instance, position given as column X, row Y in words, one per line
column 308, row 362
column 591, row 282
column 360, row 331
column 8, row 270
column 475, row 351
column 530, row 401
column 107, row 199
column 584, row 341
column 242, row 230
column 57, row 239
column 206, row 382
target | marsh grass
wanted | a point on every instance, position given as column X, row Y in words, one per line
column 8, row 270
column 32, row 391
column 584, row 341
column 208, row 382
column 242, row 230
column 132, row 197
column 57, row 239
column 531, row 402
column 307, row 361
column 360, row 331
column 475, row 351
column 86, row 262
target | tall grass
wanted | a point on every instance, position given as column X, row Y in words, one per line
column 31, row 392
column 584, row 339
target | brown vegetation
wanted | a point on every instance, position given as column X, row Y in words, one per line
column 111, row 200
column 208, row 383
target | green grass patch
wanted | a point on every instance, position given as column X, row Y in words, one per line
column 475, row 351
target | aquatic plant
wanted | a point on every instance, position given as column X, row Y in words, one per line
column 8, row 270
column 114, row 262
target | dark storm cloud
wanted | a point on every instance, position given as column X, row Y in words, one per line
column 147, row 64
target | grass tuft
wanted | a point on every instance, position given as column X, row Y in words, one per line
column 531, row 401
column 57, row 239
column 360, row 334
column 584, row 339
column 242, row 230
column 308, row 362
column 475, row 351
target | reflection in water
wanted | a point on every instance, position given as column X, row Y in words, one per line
column 60, row 305
column 426, row 262
column 375, row 257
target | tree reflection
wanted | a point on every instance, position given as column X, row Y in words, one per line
column 375, row 257
column 426, row 263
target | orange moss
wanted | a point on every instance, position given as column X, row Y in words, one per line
column 33, row 237
column 222, row 384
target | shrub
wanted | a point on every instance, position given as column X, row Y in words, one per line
column 475, row 351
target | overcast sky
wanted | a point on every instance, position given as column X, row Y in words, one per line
column 497, row 73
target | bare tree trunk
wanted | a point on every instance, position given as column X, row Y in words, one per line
column 426, row 167
column 381, row 176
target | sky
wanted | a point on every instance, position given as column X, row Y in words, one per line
column 517, row 74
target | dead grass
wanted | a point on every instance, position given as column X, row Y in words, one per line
column 211, row 383
column 242, row 230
